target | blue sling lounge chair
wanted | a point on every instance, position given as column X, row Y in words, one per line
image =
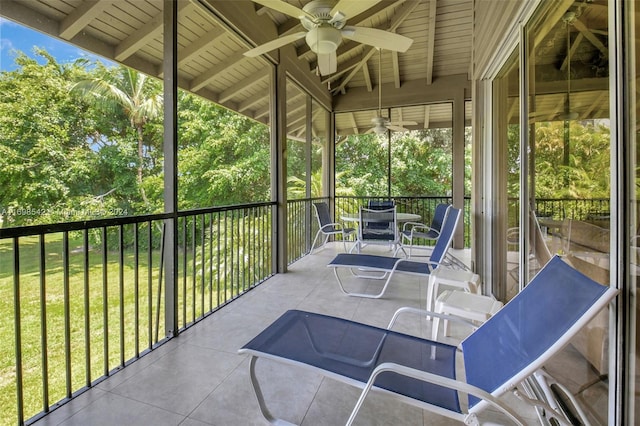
column 386, row 266
column 503, row 352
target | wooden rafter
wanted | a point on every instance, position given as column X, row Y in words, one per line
column 244, row 84
column 211, row 74
column 403, row 12
column 396, row 69
column 143, row 35
column 81, row 16
column 427, row 115
column 431, row 39
column 580, row 26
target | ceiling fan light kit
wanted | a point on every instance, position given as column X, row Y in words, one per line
column 323, row 39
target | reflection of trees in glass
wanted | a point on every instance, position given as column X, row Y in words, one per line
column 587, row 173
column 585, row 176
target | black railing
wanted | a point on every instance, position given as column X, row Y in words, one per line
column 596, row 210
column 87, row 298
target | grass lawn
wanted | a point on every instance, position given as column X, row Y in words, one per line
column 102, row 319
column 68, row 324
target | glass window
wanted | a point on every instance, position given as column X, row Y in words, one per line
column 632, row 71
column 568, row 189
column 506, row 153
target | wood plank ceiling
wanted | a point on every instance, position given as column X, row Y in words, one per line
column 212, row 43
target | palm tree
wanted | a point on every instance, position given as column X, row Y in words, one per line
column 131, row 93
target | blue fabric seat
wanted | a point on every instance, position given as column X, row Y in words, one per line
column 503, row 352
column 353, row 350
column 412, row 231
column 328, row 227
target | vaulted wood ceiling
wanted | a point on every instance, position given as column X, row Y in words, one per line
column 214, row 34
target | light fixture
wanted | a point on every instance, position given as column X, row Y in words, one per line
column 380, row 129
column 323, row 39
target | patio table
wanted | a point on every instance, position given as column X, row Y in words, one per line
column 400, row 217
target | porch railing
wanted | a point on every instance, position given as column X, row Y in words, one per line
column 87, row 298
column 595, row 210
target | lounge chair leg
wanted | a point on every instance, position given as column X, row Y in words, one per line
column 263, row 406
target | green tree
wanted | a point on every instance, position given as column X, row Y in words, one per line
column 45, row 156
column 223, row 158
column 138, row 97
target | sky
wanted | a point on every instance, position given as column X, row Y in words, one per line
column 17, row 37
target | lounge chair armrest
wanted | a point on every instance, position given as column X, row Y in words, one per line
column 423, row 228
column 425, row 312
column 336, row 225
column 438, row 380
column 411, row 225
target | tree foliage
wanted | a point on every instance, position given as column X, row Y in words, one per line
column 81, row 141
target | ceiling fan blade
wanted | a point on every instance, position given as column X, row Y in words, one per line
column 274, row 44
column 284, row 7
column 327, row 63
column 377, row 38
column 350, row 8
column 404, row 123
column 396, row 128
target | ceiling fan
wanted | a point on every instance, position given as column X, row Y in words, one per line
column 382, row 124
column 566, row 114
column 325, row 25
column 568, row 18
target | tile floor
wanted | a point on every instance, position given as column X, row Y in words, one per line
column 199, row 379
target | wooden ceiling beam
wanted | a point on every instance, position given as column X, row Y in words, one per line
column 244, row 84
column 427, row 116
column 354, row 124
column 401, row 14
column 580, row 26
column 396, row 69
column 572, row 50
column 139, row 38
column 431, row 38
column 367, row 77
column 194, row 49
column 412, row 92
column 82, row 16
column 211, row 74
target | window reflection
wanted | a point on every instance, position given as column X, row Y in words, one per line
column 569, row 174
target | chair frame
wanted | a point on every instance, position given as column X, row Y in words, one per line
column 417, row 230
column 377, row 236
column 487, row 376
column 362, row 265
column 329, row 228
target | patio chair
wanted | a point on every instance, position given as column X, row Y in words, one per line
column 328, row 227
column 412, row 231
column 497, row 357
column 362, row 265
column 376, row 226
